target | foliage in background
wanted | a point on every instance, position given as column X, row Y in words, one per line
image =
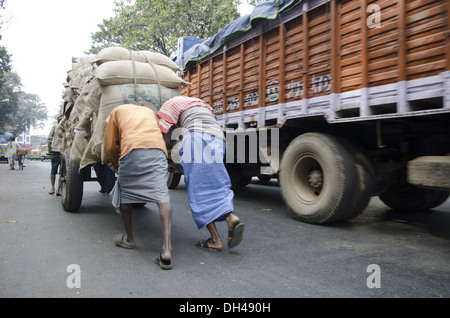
column 30, row 113
column 156, row 25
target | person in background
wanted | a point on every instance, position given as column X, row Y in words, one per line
column 208, row 184
column 135, row 148
column 54, row 148
column 12, row 152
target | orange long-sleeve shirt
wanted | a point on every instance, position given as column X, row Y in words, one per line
column 131, row 127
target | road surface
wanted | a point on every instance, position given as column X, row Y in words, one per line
column 47, row 252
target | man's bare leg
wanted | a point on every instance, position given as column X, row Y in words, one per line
column 214, row 241
column 52, row 182
column 235, row 229
column 58, row 189
column 165, row 214
column 126, row 211
column 232, row 220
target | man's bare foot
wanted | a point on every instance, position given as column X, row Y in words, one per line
column 232, row 220
column 235, row 230
column 210, row 245
column 121, row 240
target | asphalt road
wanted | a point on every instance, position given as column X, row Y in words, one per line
column 47, row 252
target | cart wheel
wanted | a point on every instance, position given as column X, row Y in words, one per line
column 173, row 179
column 71, row 183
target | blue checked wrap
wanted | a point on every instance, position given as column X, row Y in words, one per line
column 207, row 181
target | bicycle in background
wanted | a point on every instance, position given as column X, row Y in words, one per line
column 20, row 159
column 21, row 152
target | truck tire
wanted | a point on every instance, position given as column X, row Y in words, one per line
column 408, row 197
column 264, row 177
column 439, row 199
column 367, row 181
column 71, row 183
column 237, row 177
column 173, row 179
column 318, row 178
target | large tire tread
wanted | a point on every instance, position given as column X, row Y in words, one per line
column 72, row 187
column 340, row 179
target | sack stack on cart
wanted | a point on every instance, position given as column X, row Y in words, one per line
column 96, row 85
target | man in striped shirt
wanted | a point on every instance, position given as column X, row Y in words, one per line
column 207, row 181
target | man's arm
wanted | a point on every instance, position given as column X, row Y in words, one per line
column 111, row 141
column 50, row 139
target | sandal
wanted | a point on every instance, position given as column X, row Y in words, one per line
column 235, row 235
column 120, row 241
column 164, row 264
column 204, row 245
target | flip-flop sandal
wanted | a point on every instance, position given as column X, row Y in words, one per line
column 204, row 246
column 164, row 264
column 235, row 235
column 119, row 241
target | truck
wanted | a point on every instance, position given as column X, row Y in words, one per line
column 340, row 100
column 5, row 137
column 34, row 154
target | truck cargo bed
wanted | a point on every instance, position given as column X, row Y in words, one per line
column 344, row 60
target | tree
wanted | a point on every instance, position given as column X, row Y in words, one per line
column 30, row 113
column 256, row 2
column 156, row 25
column 9, row 84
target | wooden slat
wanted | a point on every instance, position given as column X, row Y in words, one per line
column 305, row 56
column 224, row 81
column 447, row 42
column 331, row 39
column 211, row 81
column 401, row 41
column 282, row 65
column 262, row 71
column 364, row 45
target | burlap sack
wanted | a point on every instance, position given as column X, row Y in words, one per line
column 78, row 148
column 89, row 97
column 150, row 96
column 122, row 54
column 126, row 72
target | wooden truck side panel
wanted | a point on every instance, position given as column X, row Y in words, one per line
column 343, row 59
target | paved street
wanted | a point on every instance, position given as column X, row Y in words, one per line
column 397, row 254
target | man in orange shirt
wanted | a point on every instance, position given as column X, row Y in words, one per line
column 134, row 146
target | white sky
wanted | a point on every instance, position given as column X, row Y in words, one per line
column 43, row 36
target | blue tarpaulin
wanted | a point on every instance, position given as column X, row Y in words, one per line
column 267, row 10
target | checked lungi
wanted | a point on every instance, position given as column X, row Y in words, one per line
column 208, row 184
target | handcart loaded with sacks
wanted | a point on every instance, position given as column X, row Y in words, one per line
column 94, row 87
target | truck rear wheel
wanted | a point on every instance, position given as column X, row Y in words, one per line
column 318, row 178
column 366, row 184
column 71, row 183
column 237, row 177
column 407, row 197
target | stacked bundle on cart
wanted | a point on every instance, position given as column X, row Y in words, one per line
column 96, row 85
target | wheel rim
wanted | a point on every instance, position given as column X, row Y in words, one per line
column 308, row 178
